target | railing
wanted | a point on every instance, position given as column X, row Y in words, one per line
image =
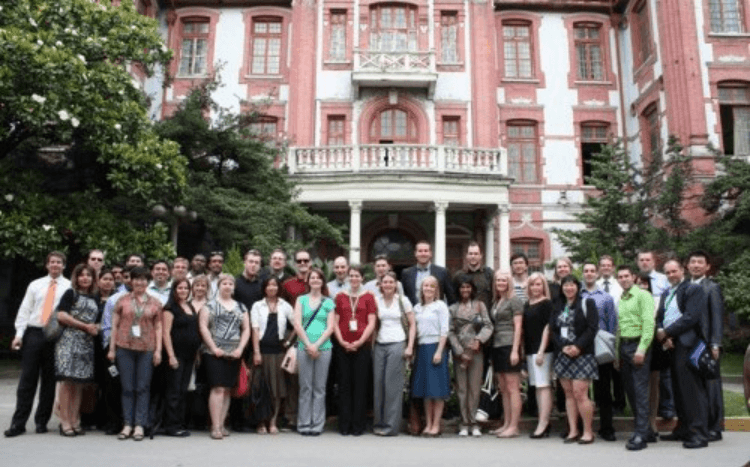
column 394, row 62
column 402, row 157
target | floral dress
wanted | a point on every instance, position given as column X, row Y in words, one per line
column 74, row 351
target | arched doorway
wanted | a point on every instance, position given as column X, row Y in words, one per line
column 393, row 235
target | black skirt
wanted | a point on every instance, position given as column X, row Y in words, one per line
column 221, row 372
column 501, row 360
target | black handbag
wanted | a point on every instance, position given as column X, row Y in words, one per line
column 490, row 405
column 702, row 362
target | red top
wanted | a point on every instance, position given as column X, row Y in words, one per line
column 365, row 307
column 293, row 288
column 129, row 313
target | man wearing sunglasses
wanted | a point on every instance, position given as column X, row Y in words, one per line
column 297, row 285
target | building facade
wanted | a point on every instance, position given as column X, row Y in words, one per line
column 461, row 120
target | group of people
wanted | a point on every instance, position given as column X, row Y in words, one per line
column 129, row 333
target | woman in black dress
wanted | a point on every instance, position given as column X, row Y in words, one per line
column 536, row 343
column 181, row 342
column 573, row 326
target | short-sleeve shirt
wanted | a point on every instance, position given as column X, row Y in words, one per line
column 535, row 318
column 391, row 329
column 145, row 315
column 365, row 306
column 502, row 316
column 319, row 324
column 225, row 325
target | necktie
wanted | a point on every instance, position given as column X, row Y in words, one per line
column 49, row 300
column 606, row 285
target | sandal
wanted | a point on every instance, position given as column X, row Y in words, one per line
column 262, row 430
column 216, row 433
column 68, row 432
column 138, row 433
column 125, row 433
column 79, row 431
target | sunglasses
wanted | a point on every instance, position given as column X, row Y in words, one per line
column 303, row 261
column 96, row 259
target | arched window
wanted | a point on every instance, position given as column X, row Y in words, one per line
column 393, row 125
column 393, row 28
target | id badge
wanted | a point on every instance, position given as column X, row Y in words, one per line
column 135, row 330
column 353, row 326
column 564, row 332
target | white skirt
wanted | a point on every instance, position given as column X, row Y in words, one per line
column 540, row 376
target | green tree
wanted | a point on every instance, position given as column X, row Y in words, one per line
column 233, row 185
column 78, row 154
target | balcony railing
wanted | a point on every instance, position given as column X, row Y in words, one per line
column 394, row 62
column 397, row 158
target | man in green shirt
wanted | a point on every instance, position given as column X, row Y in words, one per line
column 635, row 331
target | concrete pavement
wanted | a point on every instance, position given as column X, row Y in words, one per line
column 333, row 450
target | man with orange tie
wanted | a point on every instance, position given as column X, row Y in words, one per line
column 37, row 354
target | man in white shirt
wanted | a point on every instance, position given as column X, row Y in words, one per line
column 381, row 266
column 160, row 287
column 215, row 266
column 607, row 282
column 37, row 354
column 341, row 281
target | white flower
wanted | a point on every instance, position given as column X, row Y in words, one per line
column 9, row 198
column 164, row 48
column 32, row 22
column 63, row 115
column 74, row 32
column 39, row 42
column 118, row 127
column 75, row 122
column 67, row 30
column 46, row 227
column 81, row 58
column 58, row 43
column 121, row 92
column 159, row 166
column 38, row 98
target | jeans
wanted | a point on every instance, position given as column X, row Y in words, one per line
column 135, row 375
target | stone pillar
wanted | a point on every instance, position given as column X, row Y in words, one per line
column 355, row 231
column 440, row 208
column 504, row 246
column 489, row 240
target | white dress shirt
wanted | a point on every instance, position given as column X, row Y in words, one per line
column 614, row 288
column 30, row 312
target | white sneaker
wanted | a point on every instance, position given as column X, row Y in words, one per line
column 464, row 432
column 476, row 432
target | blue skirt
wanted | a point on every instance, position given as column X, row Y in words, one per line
column 430, row 381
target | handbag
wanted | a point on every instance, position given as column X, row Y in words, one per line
column 52, row 329
column 490, row 407
column 604, row 343
column 241, row 389
column 289, row 363
column 702, row 362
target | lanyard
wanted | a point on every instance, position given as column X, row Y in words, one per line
column 566, row 312
column 139, row 310
column 354, row 305
column 672, row 293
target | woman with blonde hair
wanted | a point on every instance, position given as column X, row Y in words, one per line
column 536, row 314
column 507, row 317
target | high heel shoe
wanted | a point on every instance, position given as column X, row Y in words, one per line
column 68, row 433
column 79, row 431
column 543, row 434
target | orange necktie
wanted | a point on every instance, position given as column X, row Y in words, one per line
column 49, row 300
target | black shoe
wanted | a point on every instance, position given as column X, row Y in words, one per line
column 636, row 443
column 652, row 437
column 14, row 431
column 608, row 436
column 571, row 440
column 543, row 434
column 314, row 433
column 177, row 433
column 41, row 429
column 357, row 433
column 714, row 436
column 695, row 443
column 672, row 437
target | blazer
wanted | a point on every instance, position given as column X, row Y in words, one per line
column 712, row 323
column 585, row 326
column 409, row 278
column 691, row 299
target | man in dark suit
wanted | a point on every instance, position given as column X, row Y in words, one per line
column 412, row 277
column 712, row 326
column 678, row 322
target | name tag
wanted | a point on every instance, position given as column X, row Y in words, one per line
column 353, row 326
column 135, row 330
column 564, row 332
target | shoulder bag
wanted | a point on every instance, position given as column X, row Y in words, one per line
column 604, row 342
column 289, row 363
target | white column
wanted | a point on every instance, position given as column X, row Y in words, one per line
column 440, row 208
column 355, row 230
column 504, row 236
column 489, row 240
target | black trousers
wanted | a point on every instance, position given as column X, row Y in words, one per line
column 603, row 397
column 618, row 389
column 177, row 381
column 636, row 380
column 691, row 399
column 715, row 404
column 666, row 394
column 37, row 363
column 354, row 375
column 112, row 400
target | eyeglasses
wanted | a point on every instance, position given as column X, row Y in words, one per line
column 303, row 261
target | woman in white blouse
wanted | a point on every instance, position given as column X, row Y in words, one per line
column 394, row 343
column 269, row 318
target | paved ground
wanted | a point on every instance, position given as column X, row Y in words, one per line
column 333, row 450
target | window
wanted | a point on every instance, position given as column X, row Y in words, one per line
column 593, row 138
column 449, row 37
column 532, row 248
column 337, row 51
column 393, row 28
column 726, row 16
column 517, row 50
column 393, row 126
column 652, row 131
column 522, row 161
column 451, row 135
column 589, row 52
column 336, row 136
column 266, row 38
column 642, row 33
column 194, row 50
column 734, row 111
column 265, row 127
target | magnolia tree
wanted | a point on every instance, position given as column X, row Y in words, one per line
column 65, row 84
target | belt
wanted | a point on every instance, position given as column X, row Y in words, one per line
column 630, row 339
